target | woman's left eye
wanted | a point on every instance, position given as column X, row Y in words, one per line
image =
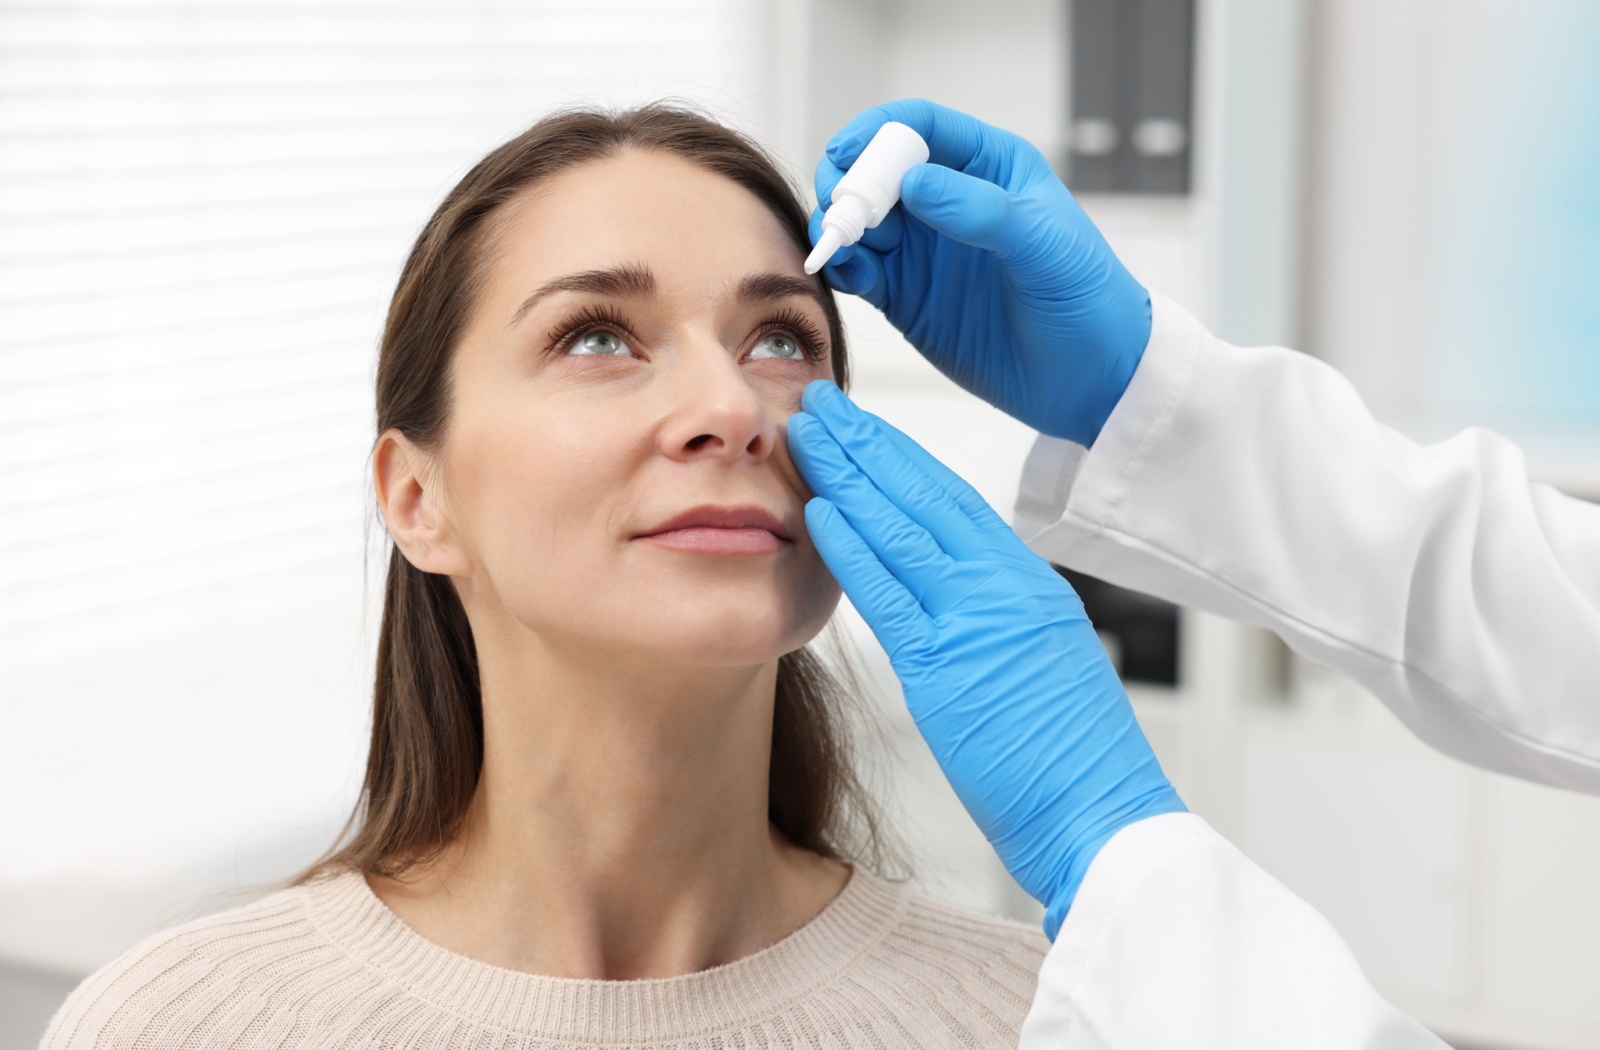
column 599, row 343
column 779, row 345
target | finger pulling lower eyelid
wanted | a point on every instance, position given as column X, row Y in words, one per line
column 809, row 444
column 824, row 400
column 872, row 452
column 842, row 451
column 802, row 427
column 847, row 424
column 813, row 441
column 824, row 462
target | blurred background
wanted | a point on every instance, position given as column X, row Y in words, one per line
column 203, row 207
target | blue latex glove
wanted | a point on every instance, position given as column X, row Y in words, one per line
column 1001, row 669
column 991, row 270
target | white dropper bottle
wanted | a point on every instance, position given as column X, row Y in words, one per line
column 868, row 190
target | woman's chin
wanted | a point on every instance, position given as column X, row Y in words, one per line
column 714, row 626
column 738, row 647
column 721, row 640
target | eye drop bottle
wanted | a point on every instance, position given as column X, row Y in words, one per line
column 868, row 190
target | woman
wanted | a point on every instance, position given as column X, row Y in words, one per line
column 607, row 800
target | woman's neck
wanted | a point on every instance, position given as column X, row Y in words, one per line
column 620, row 828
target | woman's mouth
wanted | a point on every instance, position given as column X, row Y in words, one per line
column 720, row 530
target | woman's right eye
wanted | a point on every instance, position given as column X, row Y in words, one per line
column 601, row 343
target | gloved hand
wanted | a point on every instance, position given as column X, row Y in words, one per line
column 1001, row 669
column 991, row 270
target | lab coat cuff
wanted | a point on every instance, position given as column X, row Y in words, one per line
column 1069, row 494
column 1177, row 939
column 1116, row 878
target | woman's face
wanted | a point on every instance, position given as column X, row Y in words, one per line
column 615, row 470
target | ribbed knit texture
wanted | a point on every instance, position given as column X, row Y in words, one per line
column 329, row 965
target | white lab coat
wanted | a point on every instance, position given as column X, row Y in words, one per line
column 1255, row 484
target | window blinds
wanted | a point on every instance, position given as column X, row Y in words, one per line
column 203, row 207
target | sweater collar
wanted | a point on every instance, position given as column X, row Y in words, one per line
column 733, row 995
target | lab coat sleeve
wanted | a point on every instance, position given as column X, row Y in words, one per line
column 1254, row 483
column 1175, row 939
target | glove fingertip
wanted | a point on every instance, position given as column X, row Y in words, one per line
column 816, row 394
column 818, row 508
column 795, row 426
column 843, row 149
column 808, row 440
column 826, row 524
column 854, row 274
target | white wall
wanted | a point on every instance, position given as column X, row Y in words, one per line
column 1455, row 233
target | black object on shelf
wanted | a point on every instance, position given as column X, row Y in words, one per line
column 1132, row 71
column 1143, row 630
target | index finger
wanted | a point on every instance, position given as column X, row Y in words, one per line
column 924, row 489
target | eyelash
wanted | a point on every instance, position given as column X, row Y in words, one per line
column 582, row 323
column 806, row 333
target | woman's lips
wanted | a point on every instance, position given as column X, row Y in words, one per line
column 720, row 530
column 705, row 540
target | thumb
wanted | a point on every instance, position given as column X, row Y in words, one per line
column 960, row 206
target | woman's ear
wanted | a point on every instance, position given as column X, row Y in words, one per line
column 409, row 498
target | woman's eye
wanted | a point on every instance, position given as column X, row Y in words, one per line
column 600, row 343
column 777, row 345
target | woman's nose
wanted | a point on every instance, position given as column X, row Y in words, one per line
column 715, row 412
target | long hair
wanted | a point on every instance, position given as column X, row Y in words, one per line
column 426, row 751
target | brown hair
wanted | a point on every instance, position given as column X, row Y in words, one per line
column 427, row 723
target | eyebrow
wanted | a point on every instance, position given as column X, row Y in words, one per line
column 764, row 287
column 630, row 280
column 635, row 281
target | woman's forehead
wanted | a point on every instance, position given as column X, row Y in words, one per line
column 688, row 225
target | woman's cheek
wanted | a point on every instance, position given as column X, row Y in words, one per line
column 780, row 383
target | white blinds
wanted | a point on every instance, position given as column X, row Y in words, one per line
column 202, row 210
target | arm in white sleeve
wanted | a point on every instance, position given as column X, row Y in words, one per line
column 1175, row 939
column 1254, row 483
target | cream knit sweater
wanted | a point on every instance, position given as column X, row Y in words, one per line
column 329, row 965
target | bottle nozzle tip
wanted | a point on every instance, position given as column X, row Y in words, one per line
column 816, row 260
column 827, row 244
